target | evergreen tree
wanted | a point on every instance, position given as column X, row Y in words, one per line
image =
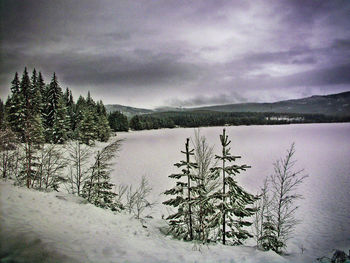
column 15, row 108
column 53, row 93
column 35, row 93
column 135, row 123
column 180, row 223
column 232, row 208
column 69, row 102
column 118, row 121
column 87, row 129
column 98, row 188
column 61, row 124
column 103, row 130
column 269, row 239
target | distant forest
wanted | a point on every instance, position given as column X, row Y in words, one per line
column 213, row 118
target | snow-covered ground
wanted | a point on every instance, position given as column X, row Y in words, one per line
column 57, row 227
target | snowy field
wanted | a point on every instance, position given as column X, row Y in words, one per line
column 323, row 150
column 56, row 227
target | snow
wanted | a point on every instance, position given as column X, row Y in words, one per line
column 58, row 227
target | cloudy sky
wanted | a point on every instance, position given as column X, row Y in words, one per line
column 148, row 53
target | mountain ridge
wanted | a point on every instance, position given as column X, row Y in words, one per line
column 337, row 104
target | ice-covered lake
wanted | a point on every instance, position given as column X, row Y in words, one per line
column 323, row 150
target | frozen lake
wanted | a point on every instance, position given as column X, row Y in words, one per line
column 323, row 150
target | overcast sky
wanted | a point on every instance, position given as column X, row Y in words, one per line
column 180, row 53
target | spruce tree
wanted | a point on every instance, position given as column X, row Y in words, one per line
column 32, row 134
column 135, row 123
column 269, row 239
column 87, row 129
column 118, row 121
column 180, row 223
column 98, row 188
column 35, row 93
column 103, row 130
column 15, row 108
column 53, row 93
column 61, row 124
column 234, row 199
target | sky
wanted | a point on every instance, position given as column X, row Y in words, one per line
column 146, row 53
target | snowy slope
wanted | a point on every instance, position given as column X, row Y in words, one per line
column 56, row 227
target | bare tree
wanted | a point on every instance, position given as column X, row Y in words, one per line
column 78, row 158
column 207, row 182
column 50, row 166
column 137, row 200
column 284, row 183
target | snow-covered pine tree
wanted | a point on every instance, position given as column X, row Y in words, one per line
column 32, row 135
column 87, row 129
column 61, row 123
column 180, row 223
column 53, row 95
column 98, row 187
column 36, row 94
column 233, row 203
column 68, row 98
column 78, row 115
column 103, row 131
column 15, row 108
column 268, row 239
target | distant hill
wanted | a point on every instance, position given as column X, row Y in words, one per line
column 335, row 104
column 126, row 110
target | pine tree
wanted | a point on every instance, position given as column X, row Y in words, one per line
column 181, row 224
column 269, row 239
column 15, row 108
column 118, row 121
column 98, row 188
column 32, row 133
column 53, row 94
column 232, row 208
column 61, row 124
column 135, row 123
column 103, row 130
column 36, row 107
column 68, row 98
column 87, row 129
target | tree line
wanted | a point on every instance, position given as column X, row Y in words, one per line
column 212, row 118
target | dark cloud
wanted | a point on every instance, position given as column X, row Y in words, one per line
column 149, row 53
